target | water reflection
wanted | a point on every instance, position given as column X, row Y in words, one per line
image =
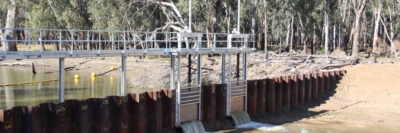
column 35, row 92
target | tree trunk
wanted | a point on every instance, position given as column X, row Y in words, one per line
column 376, row 29
column 217, row 16
column 265, row 27
column 291, row 34
column 327, row 26
column 287, row 37
column 359, row 7
column 253, row 21
column 302, row 35
column 334, row 37
column 11, row 22
column 314, row 39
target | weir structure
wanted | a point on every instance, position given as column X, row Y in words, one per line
column 89, row 43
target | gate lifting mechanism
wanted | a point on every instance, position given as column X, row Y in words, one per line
column 188, row 97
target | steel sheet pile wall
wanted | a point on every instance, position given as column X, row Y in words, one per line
column 155, row 111
column 146, row 112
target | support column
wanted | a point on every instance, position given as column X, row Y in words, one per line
column 178, row 93
column 123, row 75
column 238, row 66
column 228, row 88
column 198, row 69
column 244, row 66
column 172, row 72
column 189, row 69
column 61, row 80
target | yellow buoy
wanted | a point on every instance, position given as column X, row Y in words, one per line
column 93, row 74
column 112, row 68
column 76, row 76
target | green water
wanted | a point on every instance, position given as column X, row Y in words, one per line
column 33, row 94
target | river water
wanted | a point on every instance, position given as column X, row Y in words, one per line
column 31, row 91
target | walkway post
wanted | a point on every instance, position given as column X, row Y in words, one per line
column 61, row 80
column 123, row 75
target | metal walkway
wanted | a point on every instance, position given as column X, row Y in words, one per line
column 61, row 44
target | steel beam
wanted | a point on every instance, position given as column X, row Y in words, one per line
column 61, row 80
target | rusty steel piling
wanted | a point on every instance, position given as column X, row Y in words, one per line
column 270, row 100
column 209, row 105
column 261, row 96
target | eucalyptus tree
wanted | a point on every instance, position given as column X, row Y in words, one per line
column 390, row 14
column 358, row 7
column 11, row 22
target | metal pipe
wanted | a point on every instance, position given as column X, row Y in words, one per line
column 190, row 69
column 61, row 80
column 190, row 15
column 244, row 66
column 123, row 75
column 112, row 41
column 179, row 71
column 60, row 43
column 72, row 46
column 172, row 82
column 99, row 42
column 238, row 19
column 199, row 69
column 178, row 92
column 237, row 65
column 124, row 41
column 40, row 39
column 228, row 88
column 223, row 64
column 88, row 38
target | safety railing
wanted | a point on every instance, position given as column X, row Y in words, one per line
column 61, row 43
